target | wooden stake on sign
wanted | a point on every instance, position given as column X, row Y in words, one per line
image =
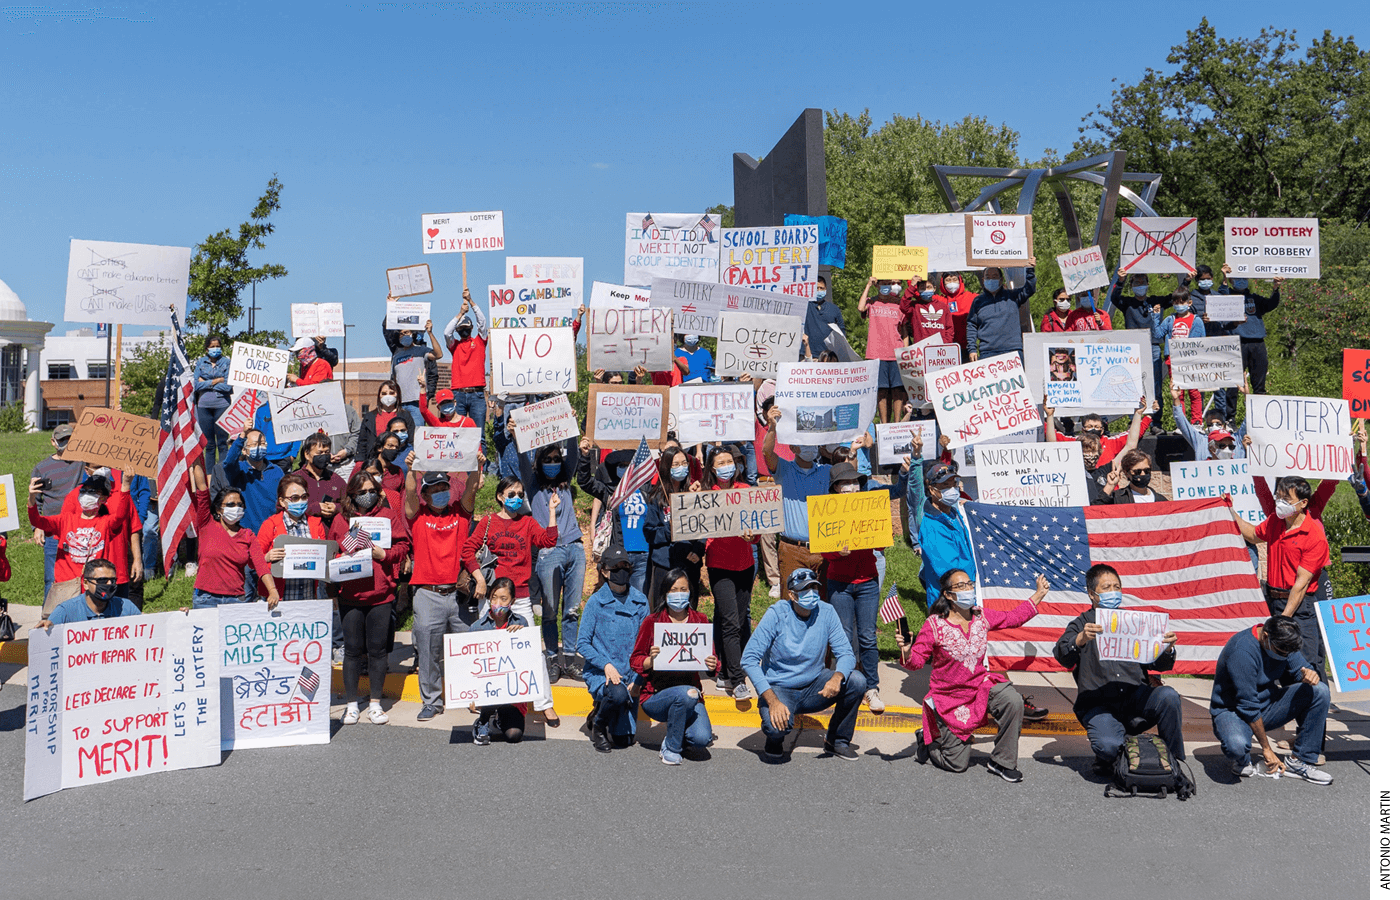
column 117, row 369
column 464, row 270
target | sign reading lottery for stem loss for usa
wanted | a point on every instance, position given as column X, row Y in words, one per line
column 1272, row 248
column 465, row 232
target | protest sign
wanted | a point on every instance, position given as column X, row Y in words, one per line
column 1158, row 244
column 755, row 345
column 406, row 373
column 353, row 567
column 825, row 403
column 105, row 437
column 892, row 441
column 1346, row 631
column 1356, row 382
column 318, row 320
column 621, row 415
column 532, row 306
column 1041, row 474
column 466, row 232
column 1083, row 270
column 1107, row 377
column 1131, row 635
column 945, row 236
column 1218, row 478
column 899, row 263
column 239, row 413
column 9, row 506
column 493, row 668
column 855, row 521
column 914, row 360
column 563, row 275
column 130, row 284
column 832, row 232
column 378, row 528
column 304, row 558
column 621, row 339
column 966, row 456
column 1272, row 248
column 605, row 295
column 698, row 515
column 982, row 399
column 836, row 342
column 407, row 315
column 780, row 258
column 541, row 424
column 996, row 240
column 117, row 698
column 275, row 678
column 409, row 281
column 1206, row 363
column 671, row 245
column 684, row 647
column 713, row 412
column 302, row 411
column 1307, row 436
column 697, row 306
column 445, row 449
column 1035, row 351
column 533, row 360
column 261, row 368
column 1225, row 307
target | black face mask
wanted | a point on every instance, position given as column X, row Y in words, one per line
column 1141, row 479
column 620, row 578
column 101, row 593
column 321, row 461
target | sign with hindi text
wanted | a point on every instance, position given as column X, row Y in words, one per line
column 671, row 245
column 1306, row 436
column 275, row 675
column 621, row 415
column 128, row 284
column 550, row 421
column 699, row 515
column 493, row 668
column 825, row 403
column 1037, row 474
column 983, row 399
column 106, row 437
column 856, row 521
column 1272, row 248
column 466, row 232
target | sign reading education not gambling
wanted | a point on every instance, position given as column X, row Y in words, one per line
column 825, row 403
column 130, row 284
column 465, row 232
column 493, row 668
column 698, row 515
column 993, row 239
column 780, row 258
column 1042, row 474
column 1272, row 248
column 275, row 675
column 1105, row 376
column 1158, row 244
column 1306, row 436
column 983, row 399
column 671, row 245
column 756, row 345
column 621, row 415
column 533, row 360
column 1206, row 363
column 713, row 412
column 1218, row 478
column 697, row 306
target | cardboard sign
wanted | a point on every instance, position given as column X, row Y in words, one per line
column 355, row 567
column 260, row 368
column 301, row 412
column 532, row 306
column 1346, row 631
column 892, row 442
column 684, row 647
column 826, row 403
column 996, row 240
column 407, row 315
column 533, row 360
column 1107, row 377
column 118, row 698
column 855, row 521
column 713, row 412
column 300, row 562
column 493, row 668
column 1272, row 248
column 318, row 320
column 944, row 235
column 1158, row 244
column 1356, row 382
column 1035, row 351
column 1130, row 635
column 696, row 306
column 9, row 506
column 755, row 345
column 700, row 515
column 120, row 440
column 1225, row 307
column 1083, row 270
column 1307, row 436
column 620, row 415
column 620, row 339
column 275, row 679
column 563, row 275
column 983, row 399
column 540, row 424
column 899, row 263
column 445, row 449
column 671, row 245
column 1042, row 474
column 239, row 413
column 780, row 258
column 1218, row 478
column 468, row 232
column 916, row 359
column 605, row 295
column 409, row 281
column 378, row 528
column 1206, row 363
column 130, row 284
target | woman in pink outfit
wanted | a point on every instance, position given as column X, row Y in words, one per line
column 961, row 692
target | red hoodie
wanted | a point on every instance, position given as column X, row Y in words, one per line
column 959, row 304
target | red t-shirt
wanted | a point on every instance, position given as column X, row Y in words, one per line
column 510, row 540
column 317, row 372
column 1305, row 547
column 856, row 567
column 468, row 362
column 222, row 556
column 438, row 538
column 883, row 338
column 106, row 535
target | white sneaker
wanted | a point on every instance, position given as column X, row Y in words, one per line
column 1246, row 771
column 773, row 592
column 724, row 684
column 1293, row 767
column 378, row 716
column 872, row 700
column 352, row 715
column 742, row 691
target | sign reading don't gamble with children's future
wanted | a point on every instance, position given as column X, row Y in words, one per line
column 621, row 415
column 699, row 515
column 780, row 258
column 1306, row 436
column 855, row 521
column 983, row 399
column 825, row 403
column 493, row 668
column 118, row 440
column 275, row 676
column 260, row 368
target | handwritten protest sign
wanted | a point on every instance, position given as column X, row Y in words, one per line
column 780, row 258
column 605, row 295
column 914, row 360
column 532, row 306
column 684, row 647
column 445, row 449
column 318, row 320
column 1083, row 270
column 1107, row 377
column 892, row 441
column 240, row 412
column 756, row 345
column 1130, row 635
column 966, row 456
column 945, row 237
column 409, row 281
column 1041, row 474
column 1307, row 436
column 1225, row 307
column 899, row 263
column 302, row 411
column 407, row 315
column 849, row 521
column 117, row 698
column 541, row 424
column 105, row 437
column 1272, row 248
column 697, row 306
column 825, row 403
column 699, row 515
column 1035, row 351
column 1206, row 363
column 1356, row 382
column 563, row 275
column 1346, row 631
column 836, row 342
column 1218, row 478
column 671, row 245
column 467, row 232
column 983, row 399
column 620, row 339
column 996, row 240
column 713, row 412
column 261, row 368
column 533, row 360
column 832, row 232
column 621, row 415
column 1158, row 244
column 493, row 668
column 131, row 284
column 275, row 678
column 9, row 507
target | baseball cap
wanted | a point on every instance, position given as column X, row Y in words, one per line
column 303, row 343
column 844, row 472
column 1220, row 436
column 801, row 579
column 432, row 479
column 63, row 432
column 443, row 396
column 943, row 472
column 614, row 557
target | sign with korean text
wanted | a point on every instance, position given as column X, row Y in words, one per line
column 532, row 306
column 996, row 240
column 493, row 668
column 1038, row 474
column 1130, row 635
column 620, row 339
column 1107, row 377
column 550, row 421
column 1356, row 382
column 1346, row 630
column 621, row 415
column 120, row 440
column 825, row 403
column 1206, row 363
column 1306, row 436
column 407, row 315
column 713, row 412
column 1272, row 248
column 445, row 449
column 466, row 232
column 300, row 412
column 318, row 320
column 755, row 345
column 533, row 360
column 1160, row 244
column 700, row 515
column 260, row 368
column 1083, row 270
column 697, row 306
column 856, row 521
column 1218, row 478
column 409, row 281
column 780, row 258
column 671, row 245
column 684, row 647
column 983, row 399
column 898, row 263
column 945, row 237
column 129, row 284
column 275, row 676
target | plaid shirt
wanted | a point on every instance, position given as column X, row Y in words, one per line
column 299, row 588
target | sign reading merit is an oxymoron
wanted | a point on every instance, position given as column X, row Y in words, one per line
column 466, row 232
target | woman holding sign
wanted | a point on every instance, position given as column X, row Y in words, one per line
column 509, row 718
column 225, row 546
column 671, row 690
column 376, row 422
column 291, row 518
column 730, row 564
column 675, row 471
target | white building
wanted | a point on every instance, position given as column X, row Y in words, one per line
column 21, row 342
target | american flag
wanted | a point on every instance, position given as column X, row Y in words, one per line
column 648, row 222
column 639, row 474
column 1184, row 558
column 308, row 682
column 709, row 228
column 890, row 610
column 355, row 540
column 180, row 443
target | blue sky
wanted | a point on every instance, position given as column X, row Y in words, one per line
column 160, row 123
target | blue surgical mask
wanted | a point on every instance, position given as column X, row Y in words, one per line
column 691, row 340
column 258, row 452
column 885, row 289
column 992, row 285
column 514, row 504
column 805, row 452
column 965, row 599
column 1205, row 284
column 679, row 473
column 447, row 410
column 809, row 599
column 1110, row 599
column 821, row 293
column 439, row 499
column 950, row 497
column 297, row 509
column 927, row 295
column 1240, row 284
column 405, row 340
column 552, row 470
column 1269, row 652
column 1182, row 310
column 678, row 600
column 724, row 473
column 401, row 435
column 215, row 352
column 1140, row 290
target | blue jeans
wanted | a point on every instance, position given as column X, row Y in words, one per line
column 206, row 600
column 857, row 605
column 1301, row 703
column 217, row 437
column 808, row 699
column 250, row 584
column 414, row 413
column 50, row 555
column 150, row 543
column 639, row 559
column 473, row 404
column 687, row 722
column 616, row 710
column 560, row 572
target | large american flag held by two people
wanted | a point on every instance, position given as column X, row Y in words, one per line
column 1184, row 558
column 179, row 445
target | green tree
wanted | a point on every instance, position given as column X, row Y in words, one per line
column 725, row 213
column 142, row 372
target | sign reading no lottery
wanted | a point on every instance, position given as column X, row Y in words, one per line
column 467, row 232
column 997, row 240
column 1272, row 248
column 533, row 360
column 1158, row 244
column 1083, row 270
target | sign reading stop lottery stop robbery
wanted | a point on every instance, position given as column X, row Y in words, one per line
column 1272, row 248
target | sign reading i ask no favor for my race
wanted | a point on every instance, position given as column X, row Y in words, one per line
column 699, row 515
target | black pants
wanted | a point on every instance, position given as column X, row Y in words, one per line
column 367, row 633
column 510, row 719
column 733, row 592
column 1256, row 361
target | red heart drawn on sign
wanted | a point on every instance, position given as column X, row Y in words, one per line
column 432, row 232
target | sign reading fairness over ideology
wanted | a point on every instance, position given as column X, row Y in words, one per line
column 493, row 668
column 1272, row 248
column 684, row 647
column 605, row 294
column 996, row 240
column 318, row 320
column 445, row 449
column 533, row 360
column 1131, row 635
column 275, row 681
column 697, row 306
column 621, row 415
column 261, row 368
column 671, row 245
column 117, row 698
column 1107, row 377
column 131, row 284
column 531, row 306
column 620, row 339
column 982, row 399
column 825, row 403
column 1158, row 244
column 855, row 521
column 120, row 440
column 541, row 424
column 1042, row 474
column 1307, row 436
column 779, row 258
column 467, row 232
column 300, row 412
column 1083, row 270
column 899, row 263
column 699, row 515
column 1218, row 478
column 755, row 345
column 1206, row 363
column 1346, row 632
column 713, row 412
column 945, row 236
column 1356, row 382
column 409, row 281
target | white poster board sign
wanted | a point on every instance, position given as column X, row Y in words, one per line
column 1272, row 248
column 128, row 284
column 1206, row 363
column 240, row 412
column 684, row 647
column 563, row 275
column 826, row 403
column 540, row 424
column 892, row 442
column 671, row 245
column 304, row 562
column 1130, row 635
column 355, row 567
column 379, row 529
column 916, row 359
column 533, row 360
column 260, row 368
column 1043, row 474
column 1107, row 377
column 966, row 456
column 697, row 306
column 1224, row 308
column 1218, row 478
column 620, row 339
column 318, row 320
column 1306, row 436
column 1035, row 351
column 275, row 681
column 780, row 258
column 983, row 399
column 406, row 373
column 445, row 449
column 407, row 315
column 302, row 411
column 619, row 416
column 1160, row 244
column 466, row 232
column 699, row 515
column 755, row 345
column 1083, row 270
column 994, row 239
column 409, row 281
column 713, row 412
column 493, row 668
column 9, row 506
column 532, row 306
column 605, row 295
column 945, row 236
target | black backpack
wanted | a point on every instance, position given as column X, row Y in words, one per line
column 1144, row 767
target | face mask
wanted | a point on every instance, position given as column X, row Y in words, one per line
column 297, row 510
column 691, row 340
column 620, row 577
column 233, row 514
column 1110, row 599
column 401, row 435
column 103, row 592
column 514, row 504
column 678, row 473
column 805, row 453
column 499, row 613
column 405, row 340
column 951, row 285
column 1140, row 290
column 465, row 330
column 1062, row 304
column 61, row 445
column 89, row 502
column 1205, row 284
column 1240, row 284
column 1224, row 453
column 552, row 470
column 1142, row 479
column 950, row 496
column 215, row 352
column 809, row 599
column 992, row 285
column 258, row 452
column 1182, row 310
column 965, row 599
column 724, row 473
column 678, row 600
column 1284, row 510
column 885, row 289
column 1086, row 302
column 321, row 461
column 388, row 400
column 927, row 295
column 439, row 499
column 366, row 499
column 821, row 293
column 447, row 410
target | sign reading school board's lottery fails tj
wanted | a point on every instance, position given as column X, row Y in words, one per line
column 780, row 258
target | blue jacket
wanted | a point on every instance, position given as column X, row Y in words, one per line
column 607, row 632
column 259, row 489
column 141, row 496
column 1137, row 311
column 789, row 651
column 262, row 421
column 994, row 322
column 821, row 315
column 944, row 542
column 1162, row 330
column 205, row 371
column 1244, row 676
column 1255, row 307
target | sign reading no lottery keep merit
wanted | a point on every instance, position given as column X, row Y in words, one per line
column 713, row 412
column 1346, row 630
column 1218, row 478
column 849, row 521
column 755, row 345
column 129, row 284
column 893, row 441
column 825, row 403
column 407, row 315
column 1158, row 244
column 684, row 647
column 260, row 368
column 663, row 245
column 779, row 258
column 620, row 339
column 1307, row 436
column 276, row 671
column 493, row 668
column 533, row 360
column 983, row 399
column 944, row 235
column 1272, row 248
column 697, row 306
column 445, row 449
column 318, row 320
column 621, row 415
column 1131, row 635
column 997, row 240
column 300, row 412
column 705, row 514
column 899, row 263
column 1206, row 363
column 605, row 294
column 541, row 424
column 409, row 281
column 1083, row 270
column 1356, row 382
column 532, row 306
column 1225, row 307
column 1041, row 474
column 467, row 232
column 105, row 437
